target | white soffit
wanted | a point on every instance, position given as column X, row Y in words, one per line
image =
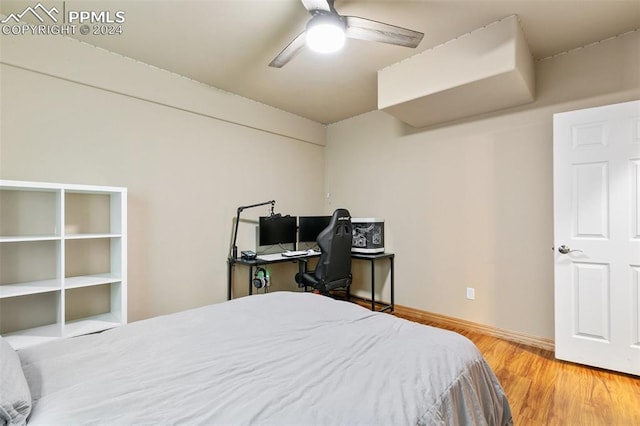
column 488, row 69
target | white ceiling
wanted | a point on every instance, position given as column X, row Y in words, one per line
column 228, row 44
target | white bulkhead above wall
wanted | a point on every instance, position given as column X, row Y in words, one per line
column 485, row 70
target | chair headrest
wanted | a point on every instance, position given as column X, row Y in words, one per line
column 341, row 214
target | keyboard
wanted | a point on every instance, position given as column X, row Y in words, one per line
column 269, row 257
column 294, row 253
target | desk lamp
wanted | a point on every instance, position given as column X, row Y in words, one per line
column 234, row 252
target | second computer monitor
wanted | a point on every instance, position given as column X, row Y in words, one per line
column 310, row 226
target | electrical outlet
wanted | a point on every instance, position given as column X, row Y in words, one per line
column 471, row 293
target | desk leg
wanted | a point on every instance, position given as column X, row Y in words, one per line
column 392, row 288
column 373, row 286
column 250, row 280
column 229, row 281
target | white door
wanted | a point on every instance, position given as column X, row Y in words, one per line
column 597, row 236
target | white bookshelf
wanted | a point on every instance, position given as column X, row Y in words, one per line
column 63, row 260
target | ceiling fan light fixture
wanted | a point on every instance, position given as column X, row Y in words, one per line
column 325, row 33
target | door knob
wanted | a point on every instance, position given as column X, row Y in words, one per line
column 564, row 249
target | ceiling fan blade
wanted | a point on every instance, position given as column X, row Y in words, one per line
column 289, row 52
column 318, row 5
column 366, row 29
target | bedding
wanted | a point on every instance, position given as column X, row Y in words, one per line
column 15, row 398
column 280, row 358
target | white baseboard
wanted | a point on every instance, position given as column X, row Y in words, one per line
column 437, row 319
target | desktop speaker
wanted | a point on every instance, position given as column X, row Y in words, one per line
column 368, row 235
column 261, row 278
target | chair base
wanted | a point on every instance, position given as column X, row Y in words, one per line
column 337, row 294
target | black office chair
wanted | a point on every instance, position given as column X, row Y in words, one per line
column 333, row 270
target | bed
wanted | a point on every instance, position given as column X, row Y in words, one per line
column 281, row 358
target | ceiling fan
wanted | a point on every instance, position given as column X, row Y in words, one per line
column 326, row 32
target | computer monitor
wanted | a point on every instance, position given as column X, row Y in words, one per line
column 310, row 226
column 277, row 230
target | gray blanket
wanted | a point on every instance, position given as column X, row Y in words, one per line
column 276, row 359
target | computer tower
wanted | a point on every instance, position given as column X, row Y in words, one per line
column 368, row 235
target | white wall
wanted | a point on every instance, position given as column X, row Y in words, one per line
column 466, row 203
column 469, row 204
column 189, row 154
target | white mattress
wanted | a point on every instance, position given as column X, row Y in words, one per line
column 276, row 359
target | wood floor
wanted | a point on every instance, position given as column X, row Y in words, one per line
column 545, row 391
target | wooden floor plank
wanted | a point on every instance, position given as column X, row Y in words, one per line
column 545, row 391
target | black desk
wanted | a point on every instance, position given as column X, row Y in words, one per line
column 372, row 260
column 231, row 262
